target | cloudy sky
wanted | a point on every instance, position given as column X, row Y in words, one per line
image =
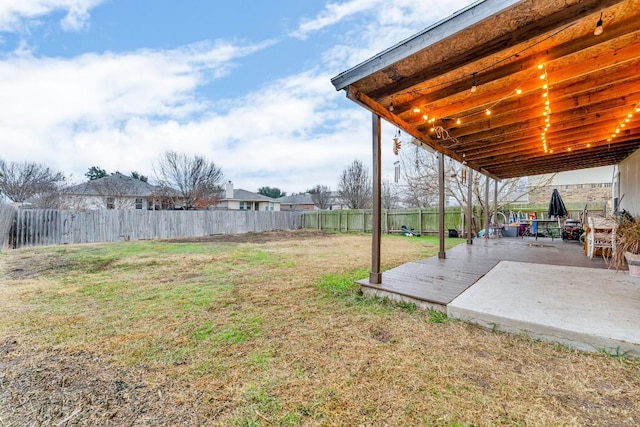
column 246, row 83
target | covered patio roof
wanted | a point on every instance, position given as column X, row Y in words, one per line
column 475, row 86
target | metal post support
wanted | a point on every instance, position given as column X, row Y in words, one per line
column 486, row 207
column 495, row 200
column 375, row 276
column 469, row 205
column 441, row 253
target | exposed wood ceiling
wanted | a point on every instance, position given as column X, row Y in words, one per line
column 593, row 85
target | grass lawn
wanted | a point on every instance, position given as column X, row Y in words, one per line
column 269, row 330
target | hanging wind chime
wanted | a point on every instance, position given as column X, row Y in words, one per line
column 397, row 145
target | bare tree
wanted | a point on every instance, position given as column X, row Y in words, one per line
column 420, row 171
column 22, row 181
column 390, row 195
column 195, row 180
column 354, row 187
column 321, row 196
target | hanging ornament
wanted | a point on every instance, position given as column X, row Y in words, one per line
column 397, row 144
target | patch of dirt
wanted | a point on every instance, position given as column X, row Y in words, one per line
column 263, row 237
column 48, row 387
column 23, row 265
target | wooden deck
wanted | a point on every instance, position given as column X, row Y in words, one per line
column 434, row 282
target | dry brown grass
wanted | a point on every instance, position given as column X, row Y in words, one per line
column 241, row 331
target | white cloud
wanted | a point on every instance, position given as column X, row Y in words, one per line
column 94, row 99
column 110, row 87
column 120, row 111
column 332, row 14
column 387, row 23
column 14, row 13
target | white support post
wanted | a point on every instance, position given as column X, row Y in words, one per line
column 469, row 206
column 375, row 276
column 441, row 253
column 486, row 207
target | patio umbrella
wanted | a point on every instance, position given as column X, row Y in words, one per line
column 556, row 205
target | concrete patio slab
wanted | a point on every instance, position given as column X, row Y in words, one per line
column 586, row 308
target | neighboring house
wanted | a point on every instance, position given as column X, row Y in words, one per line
column 298, row 202
column 246, row 200
column 594, row 185
column 115, row 191
column 304, row 202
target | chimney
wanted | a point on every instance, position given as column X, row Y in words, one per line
column 229, row 189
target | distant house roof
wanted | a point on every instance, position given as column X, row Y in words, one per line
column 115, row 184
column 247, row 196
column 297, row 199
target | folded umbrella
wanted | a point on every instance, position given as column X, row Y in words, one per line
column 556, row 205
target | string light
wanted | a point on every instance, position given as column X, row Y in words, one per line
column 546, row 113
column 599, row 28
column 626, row 119
column 492, row 65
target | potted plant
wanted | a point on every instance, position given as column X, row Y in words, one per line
column 627, row 245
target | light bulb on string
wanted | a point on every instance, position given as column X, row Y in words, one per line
column 599, row 29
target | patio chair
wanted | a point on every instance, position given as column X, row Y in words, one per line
column 601, row 235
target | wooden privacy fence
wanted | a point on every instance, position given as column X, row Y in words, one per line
column 7, row 215
column 424, row 221
column 33, row 227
